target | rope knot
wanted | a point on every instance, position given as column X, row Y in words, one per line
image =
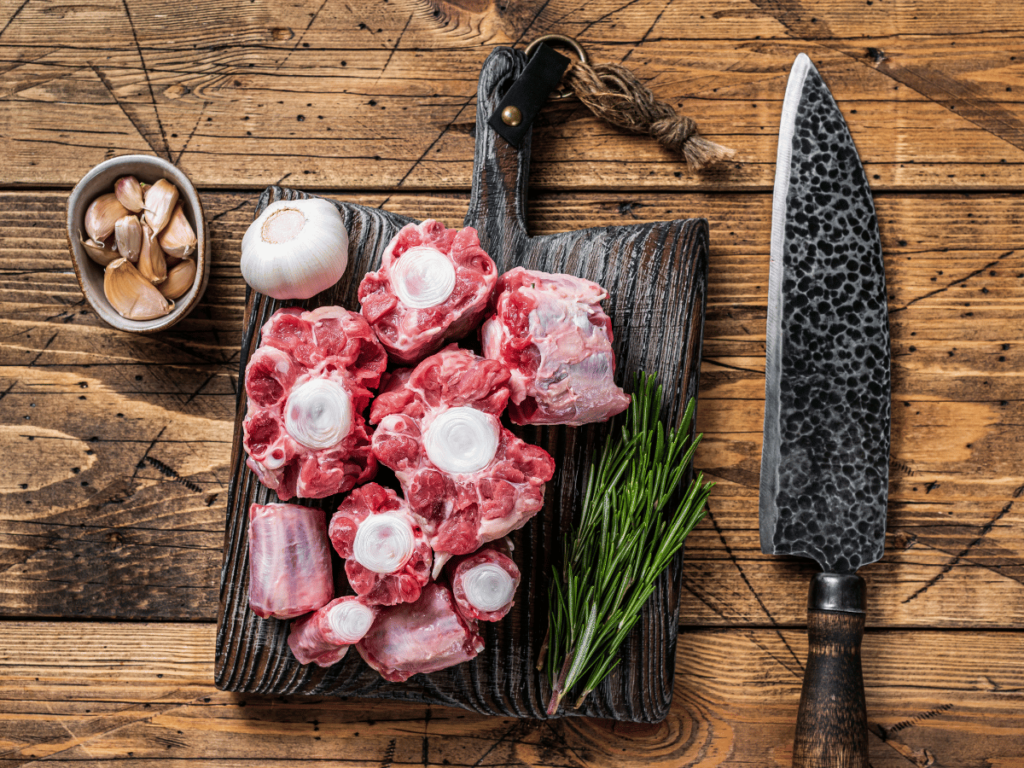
column 614, row 93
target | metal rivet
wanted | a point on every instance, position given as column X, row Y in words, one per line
column 511, row 116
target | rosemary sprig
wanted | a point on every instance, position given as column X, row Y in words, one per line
column 621, row 545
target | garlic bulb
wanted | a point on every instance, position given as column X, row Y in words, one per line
column 129, row 193
column 295, row 249
column 178, row 239
column 461, row 440
column 152, row 264
column 160, row 201
column 132, row 295
column 100, row 252
column 128, row 236
column 179, row 279
column 101, row 216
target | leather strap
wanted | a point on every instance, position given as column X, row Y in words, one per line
column 528, row 94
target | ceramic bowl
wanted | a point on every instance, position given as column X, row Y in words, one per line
column 90, row 274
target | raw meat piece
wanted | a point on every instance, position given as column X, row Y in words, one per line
column 553, row 335
column 324, row 636
column 307, row 386
column 433, row 286
column 467, row 478
column 289, row 560
column 424, row 636
column 387, row 557
column 484, row 583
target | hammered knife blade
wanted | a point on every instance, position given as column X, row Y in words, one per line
column 824, row 462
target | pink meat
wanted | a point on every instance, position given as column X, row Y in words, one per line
column 458, row 512
column 402, row 585
column 327, row 344
column 459, row 569
column 289, row 560
column 556, row 340
column 411, row 333
column 314, row 640
column 424, row 636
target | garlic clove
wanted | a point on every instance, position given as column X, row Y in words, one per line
column 178, row 239
column 132, row 295
column 152, row 264
column 101, row 253
column 101, row 216
column 295, row 249
column 129, row 193
column 160, row 200
column 128, row 236
column 179, row 279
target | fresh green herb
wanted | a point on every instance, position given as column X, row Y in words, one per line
column 621, row 545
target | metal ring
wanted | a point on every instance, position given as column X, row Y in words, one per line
column 566, row 42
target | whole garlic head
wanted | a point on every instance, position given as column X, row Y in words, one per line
column 295, row 249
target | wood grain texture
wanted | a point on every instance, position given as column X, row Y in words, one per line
column 139, row 541
column 142, row 693
column 345, row 95
column 656, row 275
column 831, row 722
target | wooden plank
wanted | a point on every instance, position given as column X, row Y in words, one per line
column 144, row 692
column 138, row 542
column 344, row 95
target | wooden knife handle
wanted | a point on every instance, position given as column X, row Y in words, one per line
column 832, row 723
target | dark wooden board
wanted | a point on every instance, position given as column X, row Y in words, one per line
column 656, row 275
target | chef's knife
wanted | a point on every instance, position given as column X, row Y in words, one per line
column 824, row 464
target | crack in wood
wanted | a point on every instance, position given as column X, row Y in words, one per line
column 735, row 561
column 149, row 83
column 961, row 555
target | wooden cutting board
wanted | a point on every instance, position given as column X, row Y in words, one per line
column 656, row 275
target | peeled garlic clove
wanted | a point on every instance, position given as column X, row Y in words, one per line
column 132, row 295
column 152, row 264
column 129, row 193
column 178, row 239
column 295, row 249
column 101, row 216
column 160, row 201
column 179, row 280
column 128, row 236
column 99, row 252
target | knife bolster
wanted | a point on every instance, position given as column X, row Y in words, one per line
column 844, row 592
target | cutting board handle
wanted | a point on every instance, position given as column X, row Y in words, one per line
column 497, row 203
column 832, row 724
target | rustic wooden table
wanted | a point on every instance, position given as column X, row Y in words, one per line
column 116, row 447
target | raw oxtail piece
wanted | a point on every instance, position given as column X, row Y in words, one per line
column 484, row 584
column 289, row 560
column 424, row 636
column 387, row 556
column 433, row 286
column 467, row 478
column 307, row 386
column 556, row 340
column 324, row 636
